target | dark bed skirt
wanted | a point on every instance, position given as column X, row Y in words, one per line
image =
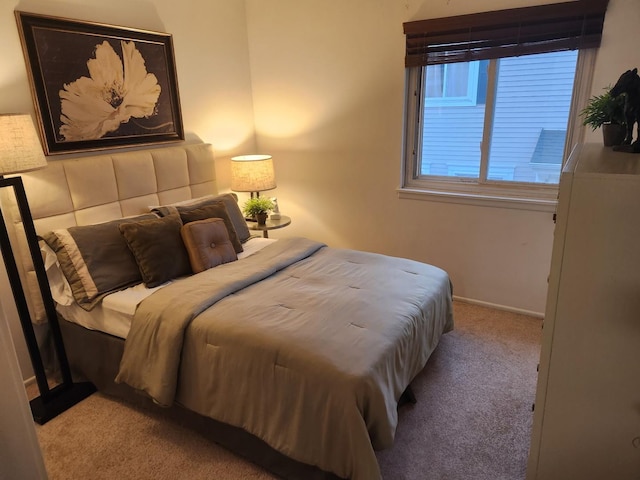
column 95, row 356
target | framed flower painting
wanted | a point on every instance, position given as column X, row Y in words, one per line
column 99, row 86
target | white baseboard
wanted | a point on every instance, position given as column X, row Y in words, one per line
column 29, row 381
column 499, row 307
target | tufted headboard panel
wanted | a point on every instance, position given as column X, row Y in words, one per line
column 100, row 188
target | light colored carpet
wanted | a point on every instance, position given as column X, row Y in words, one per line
column 472, row 420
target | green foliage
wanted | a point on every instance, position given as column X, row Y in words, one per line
column 254, row 206
column 603, row 109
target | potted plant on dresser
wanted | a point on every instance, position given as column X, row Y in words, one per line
column 258, row 208
column 607, row 112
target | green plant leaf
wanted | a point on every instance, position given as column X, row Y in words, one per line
column 256, row 205
column 603, row 109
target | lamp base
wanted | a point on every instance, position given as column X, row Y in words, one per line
column 62, row 398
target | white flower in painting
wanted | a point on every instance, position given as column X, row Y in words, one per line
column 116, row 91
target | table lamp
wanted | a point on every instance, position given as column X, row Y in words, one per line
column 20, row 151
column 252, row 173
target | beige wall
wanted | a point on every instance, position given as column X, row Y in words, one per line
column 325, row 81
column 619, row 51
column 328, row 83
column 210, row 42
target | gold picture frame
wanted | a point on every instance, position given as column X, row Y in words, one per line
column 98, row 86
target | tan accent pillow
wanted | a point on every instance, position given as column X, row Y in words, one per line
column 207, row 243
column 211, row 210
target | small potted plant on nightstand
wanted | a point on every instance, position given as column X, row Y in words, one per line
column 607, row 112
column 258, row 208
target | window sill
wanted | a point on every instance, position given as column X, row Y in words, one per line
column 491, row 198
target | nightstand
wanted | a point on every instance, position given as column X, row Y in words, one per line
column 282, row 222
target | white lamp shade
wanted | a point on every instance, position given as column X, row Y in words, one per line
column 20, row 149
column 252, row 173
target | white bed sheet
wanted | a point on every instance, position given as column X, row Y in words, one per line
column 114, row 314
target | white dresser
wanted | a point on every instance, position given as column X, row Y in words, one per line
column 587, row 410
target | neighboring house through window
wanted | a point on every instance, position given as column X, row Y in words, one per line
column 454, row 84
column 492, row 100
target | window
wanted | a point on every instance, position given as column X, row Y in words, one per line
column 491, row 105
column 529, row 97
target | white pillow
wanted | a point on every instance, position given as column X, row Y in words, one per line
column 58, row 284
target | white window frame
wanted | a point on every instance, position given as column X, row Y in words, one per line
column 470, row 99
column 528, row 196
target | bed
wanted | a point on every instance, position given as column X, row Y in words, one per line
column 301, row 348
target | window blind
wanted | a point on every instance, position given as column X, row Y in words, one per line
column 505, row 33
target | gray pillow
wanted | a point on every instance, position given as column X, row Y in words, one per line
column 230, row 202
column 95, row 259
column 236, row 216
column 158, row 249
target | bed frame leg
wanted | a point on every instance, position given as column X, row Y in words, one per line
column 407, row 397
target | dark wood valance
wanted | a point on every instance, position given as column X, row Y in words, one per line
column 505, row 33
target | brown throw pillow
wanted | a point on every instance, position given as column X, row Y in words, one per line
column 158, row 249
column 207, row 243
column 212, row 210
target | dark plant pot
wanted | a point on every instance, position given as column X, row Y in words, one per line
column 262, row 218
column 613, row 134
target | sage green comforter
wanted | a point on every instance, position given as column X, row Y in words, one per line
column 306, row 347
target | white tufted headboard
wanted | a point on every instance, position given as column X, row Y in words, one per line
column 100, row 188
